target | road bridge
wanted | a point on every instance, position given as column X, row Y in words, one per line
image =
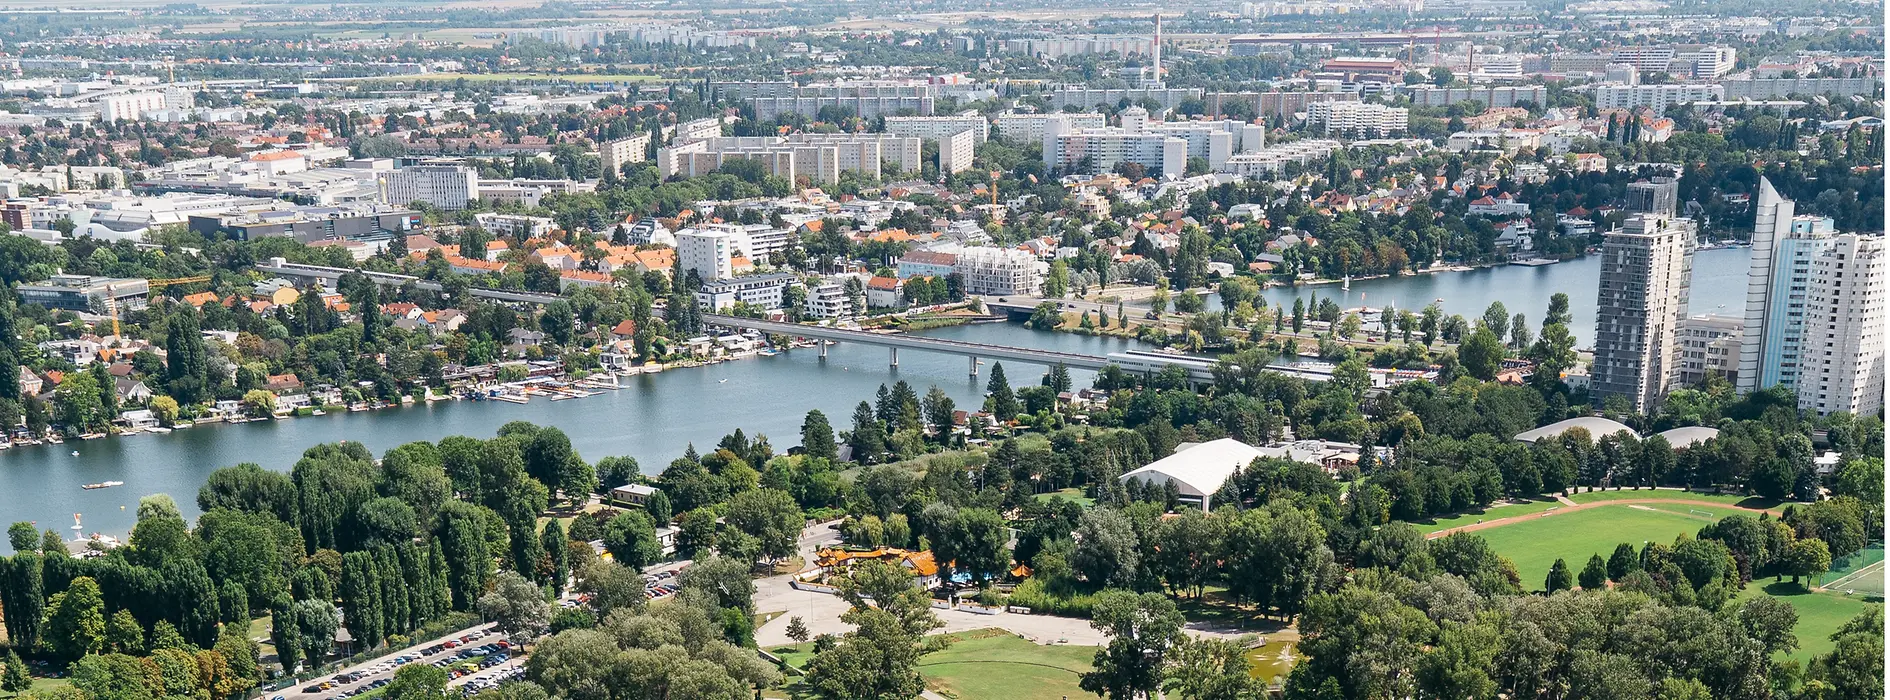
column 278, row 266
column 1200, row 369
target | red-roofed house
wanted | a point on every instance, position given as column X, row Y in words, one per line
column 883, row 292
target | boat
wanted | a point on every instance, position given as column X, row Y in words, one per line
column 102, row 485
column 75, row 453
column 724, row 381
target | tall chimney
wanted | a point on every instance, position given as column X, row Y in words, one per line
column 1158, row 48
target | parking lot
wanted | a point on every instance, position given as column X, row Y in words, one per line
column 463, row 654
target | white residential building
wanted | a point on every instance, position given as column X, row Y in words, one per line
column 998, row 271
column 130, row 106
column 448, row 187
column 1646, row 270
column 828, row 299
column 517, row 226
column 939, row 127
column 763, row 291
column 1019, row 127
column 1655, row 97
column 865, row 98
column 819, row 157
column 1213, row 141
column 708, row 253
column 1365, row 119
column 1268, row 162
column 957, row 151
column 621, row 152
column 1709, row 343
column 1844, row 337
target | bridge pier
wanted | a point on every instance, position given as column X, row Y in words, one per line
column 823, row 348
column 895, row 357
column 974, row 366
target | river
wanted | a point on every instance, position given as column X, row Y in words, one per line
column 656, row 416
column 1719, row 286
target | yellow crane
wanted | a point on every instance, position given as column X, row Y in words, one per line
column 111, row 294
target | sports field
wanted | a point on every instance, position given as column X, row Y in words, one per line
column 1673, row 495
column 1861, row 574
column 1819, row 614
column 1534, row 544
column 1495, row 511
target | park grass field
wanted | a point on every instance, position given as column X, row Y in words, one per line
column 1819, row 613
column 993, row 664
column 1472, row 517
column 1074, row 495
column 1536, row 543
column 1674, row 495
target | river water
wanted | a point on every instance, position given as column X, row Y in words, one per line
column 655, row 417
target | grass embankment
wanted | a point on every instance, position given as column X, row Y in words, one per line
column 1504, row 509
column 1749, row 502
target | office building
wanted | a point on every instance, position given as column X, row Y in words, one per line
column 87, row 293
column 307, row 224
column 447, row 187
column 1655, row 97
column 1641, row 299
column 1709, row 344
column 1844, row 341
column 1017, row 127
column 1360, row 119
column 707, row 252
column 621, row 152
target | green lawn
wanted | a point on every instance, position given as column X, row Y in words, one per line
column 1073, row 495
column 1819, row 614
column 1472, row 517
column 1631, row 494
column 996, row 665
column 1535, row 544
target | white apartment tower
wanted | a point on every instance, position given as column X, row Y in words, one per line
column 1842, row 349
column 708, row 253
column 1646, row 269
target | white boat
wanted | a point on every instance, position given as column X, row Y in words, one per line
column 75, row 453
column 102, row 485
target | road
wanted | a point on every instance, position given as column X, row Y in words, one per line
column 820, row 612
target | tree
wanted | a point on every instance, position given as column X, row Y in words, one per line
column 361, row 598
column 285, row 635
column 1623, row 560
column 517, row 605
column 1806, row 557
column 770, row 516
column 796, row 629
column 1142, row 630
column 1482, row 354
column 630, row 539
column 868, row 437
column 1594, row 576
column 259, row 403
column 1106, row 551
column 1212, row 669
column 817, row 437
column 23, row 536
column 1000, row 400
column 15, row 679
column 316, row 622
column 557, row 554
column 1496, row 318
column 723, row 580
column 123, row 634
column 417, row 682
column 186, row 363
column 75, row 620
column 1559, row 578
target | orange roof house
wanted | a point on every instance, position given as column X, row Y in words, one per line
column 200, row 298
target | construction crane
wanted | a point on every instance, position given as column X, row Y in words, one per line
column 111, row 294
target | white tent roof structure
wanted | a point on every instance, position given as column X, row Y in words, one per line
column 1199, row 470
column 1595, row 425
column 1689, row 436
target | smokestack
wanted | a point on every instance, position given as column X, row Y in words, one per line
column 1158, row 48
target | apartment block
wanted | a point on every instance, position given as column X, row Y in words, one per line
column 1656, row 97
column 621, row 152
column 1709, row 343
column 1489, row 95
column 1776, row 88
column 1018, row 127
column 1844, row 338
column 1095, row 151
column 862, row 98
column 1357, row 118
column 447, row 187
column 1646, row 269
column 936, row 128
column 708, row 253
column 1084, row 97
column 998, row 271
column 1274, row 103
